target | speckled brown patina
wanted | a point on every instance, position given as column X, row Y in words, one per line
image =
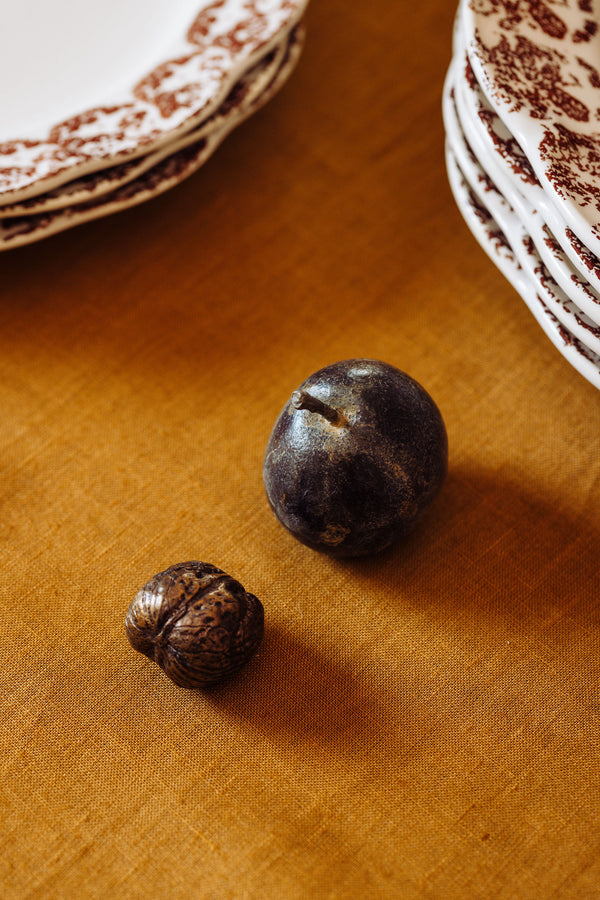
column 195, row 622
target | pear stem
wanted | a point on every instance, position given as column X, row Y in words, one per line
column 304, row 400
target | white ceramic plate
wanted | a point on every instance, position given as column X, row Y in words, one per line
column 170, row 171
column 102, row 181
column 515, row 168
column 493, row 241
column 496, row 152
column 90, row 85
column 538, row 65
column 484, row 228
column 515, row 230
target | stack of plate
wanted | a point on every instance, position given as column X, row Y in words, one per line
column 107, row 105
column 521, row 113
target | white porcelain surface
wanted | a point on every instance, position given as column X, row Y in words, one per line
column 65, row 56
column 538, row 66
column 95, row 184
column 494, row 157
column 86, row 86
column 551, row 250
column 516, row 232
column 484, row 228
column 164, row 174
column 493, row 241
column 518, row 181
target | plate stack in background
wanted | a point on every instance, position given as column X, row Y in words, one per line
column 522, row 119
column 114, row 106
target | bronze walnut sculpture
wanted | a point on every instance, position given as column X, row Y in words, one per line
column 196, row 622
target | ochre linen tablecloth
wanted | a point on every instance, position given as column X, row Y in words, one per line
column 423, row 724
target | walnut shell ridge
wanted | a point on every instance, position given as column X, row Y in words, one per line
column 196, row 622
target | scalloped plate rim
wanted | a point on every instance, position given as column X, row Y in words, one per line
column 56, row 162
column 520, row 282
column 527, row 133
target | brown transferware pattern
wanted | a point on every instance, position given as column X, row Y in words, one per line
column 225, row 39
column 539, row 65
